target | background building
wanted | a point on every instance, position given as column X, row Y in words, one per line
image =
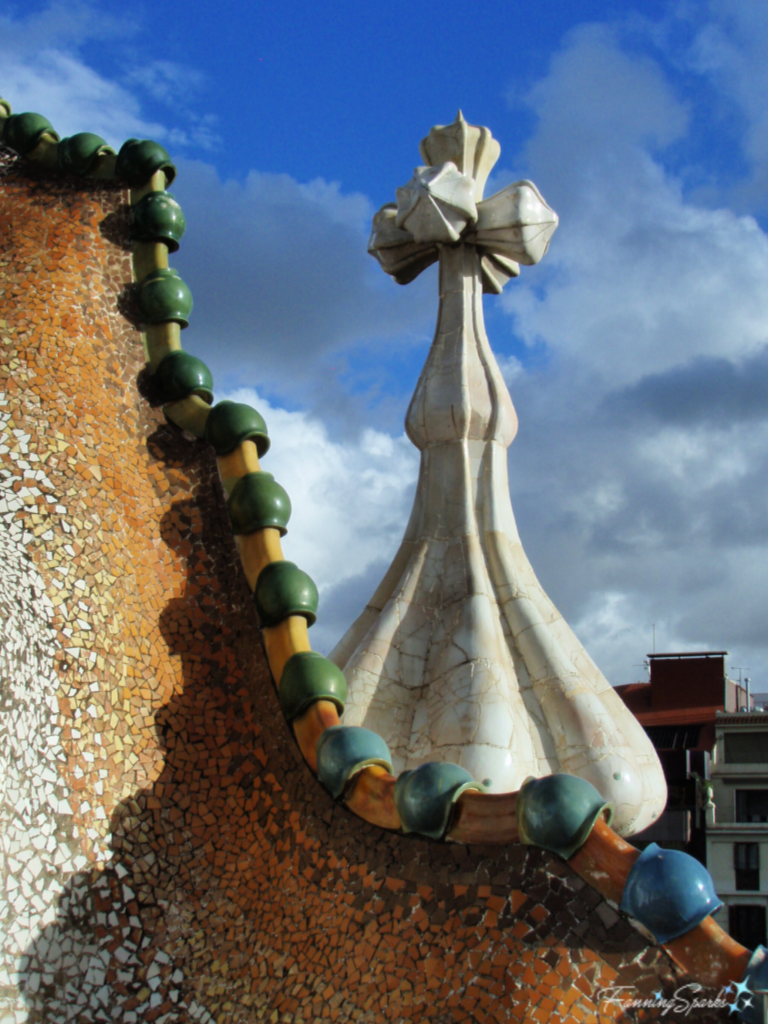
column 737, row 841
column 678, row 708
column 704, row 728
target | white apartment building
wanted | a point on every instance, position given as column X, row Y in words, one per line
column 737, row 838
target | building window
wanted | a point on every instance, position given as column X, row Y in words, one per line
column 746, row 924
column 752, row 805
column 746, row 863
column 746, row 748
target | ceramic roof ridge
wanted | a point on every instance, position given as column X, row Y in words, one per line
column 84, row 154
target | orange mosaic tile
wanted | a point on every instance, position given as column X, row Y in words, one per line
column 191, row 867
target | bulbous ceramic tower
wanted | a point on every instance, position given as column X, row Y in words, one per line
column 460, row 655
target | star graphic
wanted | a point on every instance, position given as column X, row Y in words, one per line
column 659, row 996
column 741, row 988
column 747, row 1002
column 727, row 991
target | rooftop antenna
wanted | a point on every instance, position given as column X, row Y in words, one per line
column 740, row 669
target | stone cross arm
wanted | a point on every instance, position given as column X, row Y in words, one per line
column 442, row 204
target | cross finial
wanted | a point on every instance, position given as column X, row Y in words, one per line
column 443, row 204
column 460, row 655
column 472, row 150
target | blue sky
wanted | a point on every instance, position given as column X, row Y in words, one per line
column 636, row 353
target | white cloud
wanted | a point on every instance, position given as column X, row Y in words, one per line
column 44, row 71
column 281, row 278
column 615, row 100
column 74, row 97
column 637, row 513
column 62, row 23
column 730, row 48
column 637, row 279
column 511, row 369
column 610, row 626
column 165, row 80
column 702, row 458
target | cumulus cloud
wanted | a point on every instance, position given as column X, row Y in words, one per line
column 729, row 48
column 621, row 100
column 705, row 390
column 282, row 279
column 73, row 96
column 638, row 279
column 61, row 24
column 44, row 71
column 639, row 474
column 640, row 521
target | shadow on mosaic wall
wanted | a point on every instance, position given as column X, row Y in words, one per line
column 105, row 953
column 109, row 952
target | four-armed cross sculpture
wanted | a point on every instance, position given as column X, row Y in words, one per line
column 460, row 655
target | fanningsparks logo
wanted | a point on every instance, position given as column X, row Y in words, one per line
column 734, row 997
